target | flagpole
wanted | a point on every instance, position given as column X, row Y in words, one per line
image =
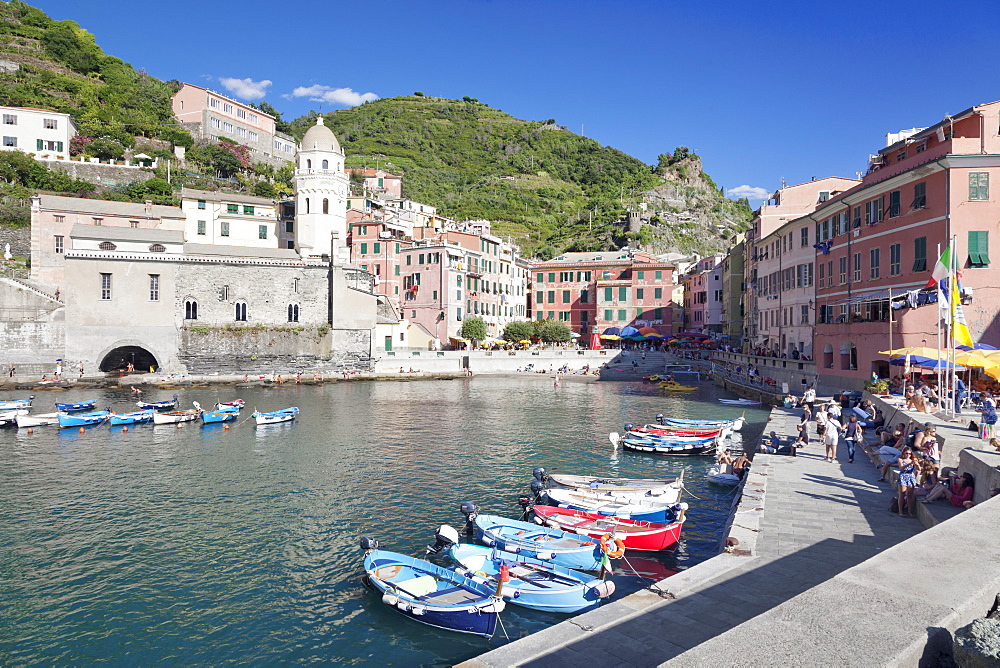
column 940, row 379
column 954, row 310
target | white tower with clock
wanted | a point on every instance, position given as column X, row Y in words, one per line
column 321, row 187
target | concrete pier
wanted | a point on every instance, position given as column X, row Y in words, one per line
column 814, row 581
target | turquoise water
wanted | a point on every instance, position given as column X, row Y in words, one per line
column 203, row 546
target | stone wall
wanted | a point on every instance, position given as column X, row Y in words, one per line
column 497, row 361
column 19, row 239
column 102, row 175
column 32, row 345
column 262, row 350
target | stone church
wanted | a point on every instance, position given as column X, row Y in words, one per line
column 200, row 288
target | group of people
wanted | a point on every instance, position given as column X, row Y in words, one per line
column 737, row 467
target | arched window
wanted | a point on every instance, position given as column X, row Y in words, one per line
column 107, row 246
column 307, row 205
column 293, row 313
column 326, row 164
column 309, row 164
column 190, row 309
column 326, row 205
column 241, row 311
column 157, row 248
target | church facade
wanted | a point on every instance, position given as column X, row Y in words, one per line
column 146, row 290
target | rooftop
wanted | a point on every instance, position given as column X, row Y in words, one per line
column 215, row 196
column 241, row 251
column 100, row 206
column 108, row 233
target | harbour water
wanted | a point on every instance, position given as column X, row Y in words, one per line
column 204, row 546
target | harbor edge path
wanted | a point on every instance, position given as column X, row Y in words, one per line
column 816, row 520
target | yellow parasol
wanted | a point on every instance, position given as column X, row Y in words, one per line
column 975, row 358
column 993, row 371
column 611, row 337
column 525, row 342
column 916, row 351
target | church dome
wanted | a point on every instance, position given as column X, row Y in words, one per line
column 320, row 138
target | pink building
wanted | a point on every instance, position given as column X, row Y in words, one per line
column 209, row 115
column 703, row 295
column 380, row 183
column 880, row 240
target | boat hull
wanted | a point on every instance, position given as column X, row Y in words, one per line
column 631, row 508
column 533, row 583
column 666, row 448
column 76, row 407
column 472, row 607
column 211, row 417
column 636, row 535
column 551, row 545
column 276, row 417
column 37, row 420
column 135, row 417
column 14, row 404
column 83, row 419
column 175, row 417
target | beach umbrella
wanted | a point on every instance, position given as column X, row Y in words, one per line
column 649, row 331
column 628, row 331
column 939, row 364
column 612, row 331
column 978, row 346
column 919, row 351
column 974, row 359
column 993, row 371
column 611, row 337
column 909, row 360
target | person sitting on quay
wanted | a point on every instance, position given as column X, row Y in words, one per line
column 928, row 477
column 802, row 440
column 959, row 494
column 926, row 443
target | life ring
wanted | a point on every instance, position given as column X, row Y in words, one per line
column 619, row 546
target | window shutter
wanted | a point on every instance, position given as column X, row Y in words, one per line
column 39, row 143
column 59, row 146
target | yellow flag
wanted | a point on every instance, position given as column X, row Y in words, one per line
column 960, row 330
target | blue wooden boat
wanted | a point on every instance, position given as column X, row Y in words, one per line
column 14, row 404
column 533, row 583
column 158, row 405
column 135, row 417
column 663, row 445
column 431, row 594
column 224, row 414
column 274, row 417
column 550, row 545
column 734, row 425
column 84, row 419
column 76, row 406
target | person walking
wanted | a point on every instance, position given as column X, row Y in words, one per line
column 809, row 398
column 853, row 434
column 831, row 438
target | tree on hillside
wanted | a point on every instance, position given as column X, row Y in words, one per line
column 519, row 330
column 474, row 329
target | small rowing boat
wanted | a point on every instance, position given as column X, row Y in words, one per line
column 739, row 402
column 76, row 406
column 719, row 476
column 223, row 413
column 662, row 509
column 663, row 446
column 158, row 405
column 674, row 386
column 36, row 420
column 135, row 417
column 274, row 417
column 235, row 403
column 594, row 483
column 8, row 416
column 431, row 594
column 173, row 417
column 84, row 419
column 13, row 404
column 635, row 534
column 549, row 545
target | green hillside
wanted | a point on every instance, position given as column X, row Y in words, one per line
column 58, row 65
column 548, row 188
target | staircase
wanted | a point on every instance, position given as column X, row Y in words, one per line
column 620, row 367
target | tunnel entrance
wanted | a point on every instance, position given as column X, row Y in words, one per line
column 119, row 359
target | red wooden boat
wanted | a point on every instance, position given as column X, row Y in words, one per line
column 667, row 431
column 635, row 534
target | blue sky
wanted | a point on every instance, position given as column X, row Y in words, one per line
column 761, row 90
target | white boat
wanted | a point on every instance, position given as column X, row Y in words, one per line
column 589, row 483
column 36, row 420
column 12, row 404
column 719, row 477
column 173, row 417
column 7, row 417
column 739, row 402
column 274, row 417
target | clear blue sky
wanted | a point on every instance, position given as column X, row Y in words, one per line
column 761, row 90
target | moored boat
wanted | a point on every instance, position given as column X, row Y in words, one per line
column 274, row 417
column 533, row 583
column 739, row 402
column 135, row 417
column 222, row 413
column 663, row 510
column 235, row 403
column 36, row 420
column 173, row 417
column 735, row 425
column 595, row 483
column 721, row 476
column 158, row 405
column 431, row 594
column 76, row 406
column 84, row 419
column 550, row 545
column 8, row 416
column 635, row 534
column 674, row 386
column 664, row 447
column 13, row 404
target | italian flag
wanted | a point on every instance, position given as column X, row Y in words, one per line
column 941, row 269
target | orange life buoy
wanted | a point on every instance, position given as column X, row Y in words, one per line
column 606, row 546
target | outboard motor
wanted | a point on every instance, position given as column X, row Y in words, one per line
column 538, row 489
column 527, row 505
column 444, row 537
column 659, row 418
column 471, row 511
column 540, row 474
column 629, row 427
column 368, row 543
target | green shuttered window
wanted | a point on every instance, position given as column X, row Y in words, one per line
column 979, row 249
